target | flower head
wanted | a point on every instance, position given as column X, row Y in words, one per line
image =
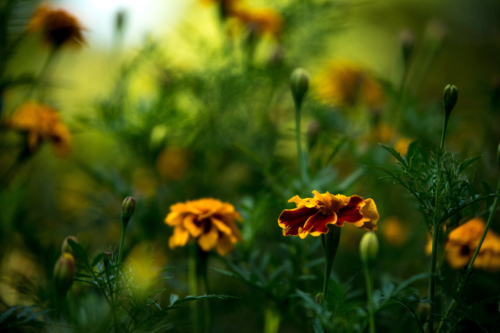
column 262, row 21
column 210, row 221
column 344, row 83
column 57, row 26
column 313, row 215
column 41, row 122
column 463, row 241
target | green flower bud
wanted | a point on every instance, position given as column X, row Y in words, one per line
column 368, row 248
column 66, row 247
column 128, row 207
column 299, row 83
column 320, row 298
column 64, row 273
column 107, row 258
column 450, row 98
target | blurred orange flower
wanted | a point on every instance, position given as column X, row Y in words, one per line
column 312, row 215
column 210, row 221
column 344, row 83
column 172, row 163
column 228, row 7
column 462, row 242
column 263, row 21
column 41, row 122
column 402, row 145
column 394, row 232
column 57, row 26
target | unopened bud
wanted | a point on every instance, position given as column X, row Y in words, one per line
column 450, row 98
column 128, row 207
column 107, row 258
column 64, row 273
column 407, row 39
column 368, row 248
column 65, row 245
column 299, row 83
column 319, row 298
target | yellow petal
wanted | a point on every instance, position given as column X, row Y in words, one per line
column 208, row 240
column 179, row 238
column 370, row 215
column 225, row 229
column 189, row 224
column 224, row 245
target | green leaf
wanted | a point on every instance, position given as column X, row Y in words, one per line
column 409, row 281
column 195, row 298
column 396, row 155
column 462, row 166
column 419, row 324
column 317, row 326
column 79, row 251
column 412, row 150
column 7, row 313
column 96, row 259
column 173, row 298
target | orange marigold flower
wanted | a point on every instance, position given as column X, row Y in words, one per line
column 313, row 215
column 211, row 221
column 41, row 122
column 57, row 26
column 394, row 231
column 463, row 241
column 345, row 83
column 262, row 21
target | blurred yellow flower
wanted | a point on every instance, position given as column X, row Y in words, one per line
column 145, row 263
column 208, row 220
column 57, row 26
column 393, row 231
column 41, row 122
column 462, row 242
column 262, row 21
column 402, row 145
column 345, row 83
column 172, row 163
column 227, row 7
column 313, row 215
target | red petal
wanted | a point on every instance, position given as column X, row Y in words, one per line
column 291, row 219
column 317, row 224
column 351, row 212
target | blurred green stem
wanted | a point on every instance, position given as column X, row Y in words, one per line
column 300, row 158
column 436, row 228
column 122, row 241
column 198, row 277
column 471, row 263
column 42, row 73
column 193, row 283
column 271, row 319
column 113, row 304
column 330, row 244
column 369, row 293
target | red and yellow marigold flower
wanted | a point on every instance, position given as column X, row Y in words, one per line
column 313, row 215
column 209, row 221
column 463, row 241
column 41, row 122
column 57, row 26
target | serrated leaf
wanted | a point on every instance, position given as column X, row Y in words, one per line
column 317, row 326
column 465, row 164
column 194, row 298
column 396, row 154
column 7, row 313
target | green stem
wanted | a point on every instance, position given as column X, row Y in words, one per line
column 203, row 274
column 435, row 232
column 330, row 244
column 471, row 263
column 113, row 308
column 42, row 73
column 193, row 284
column 271, row 319
column 369, row 292
column 122, row 241
column 300, row 157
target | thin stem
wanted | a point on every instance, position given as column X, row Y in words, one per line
column 271, row 319
column 122, row 241
column 111, row 293
column 193, row 284
column 300, row 157
column 42, row 73
column 369, row 292
column 203, row 274
column 435, row 232
column 330, row 244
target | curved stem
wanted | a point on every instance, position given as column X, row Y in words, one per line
column 369, row 292
column 300, row 157
column 122, row 241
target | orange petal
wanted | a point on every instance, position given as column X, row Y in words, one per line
column 191, row 226
column 179, row 238
column 370, row 215
column 224, row 245
column 208, row 240
column 174, row 218
column 225, row 229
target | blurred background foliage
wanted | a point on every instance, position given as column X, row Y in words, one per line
column 201, row 107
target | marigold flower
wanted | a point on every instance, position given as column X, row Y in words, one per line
column 313, row 215
column 394, row 231
column 210, row 221
column 462, row 242
column 262, row 21
column 57, row 26
column 344, row 83
column 41, row 122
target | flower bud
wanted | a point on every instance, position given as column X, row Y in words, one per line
column 368, row 248
column 65, row 245
column 407, row 39
column 299, row 83
column 107, row 258
column 319, row 298
column 128, row 207
column 64, row 273
column 450, row 98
